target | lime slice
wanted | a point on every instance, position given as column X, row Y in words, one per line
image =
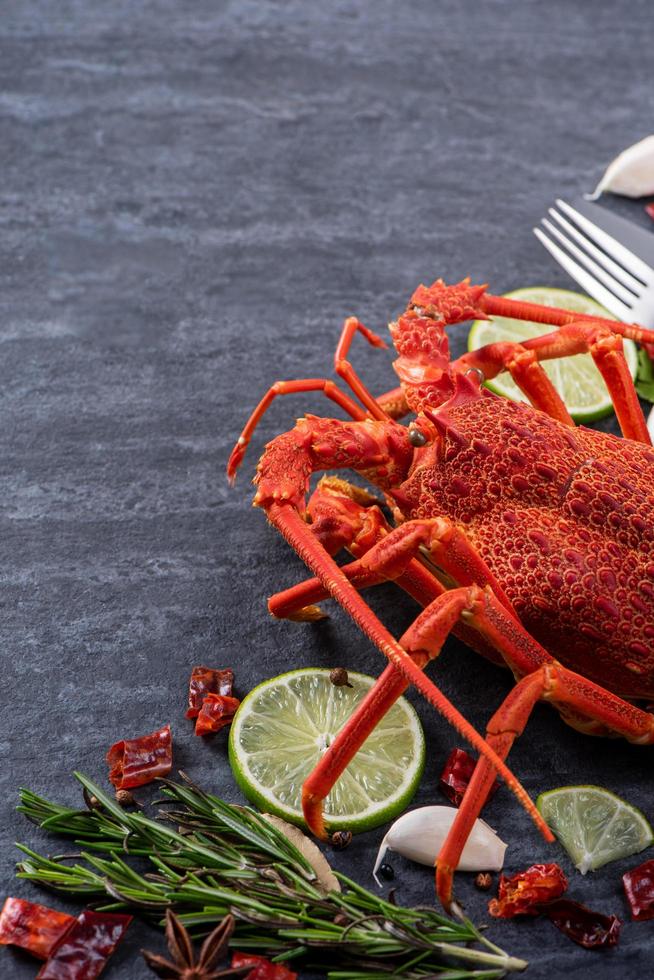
column 284, row 726
column 594, row 825
column 576, row 379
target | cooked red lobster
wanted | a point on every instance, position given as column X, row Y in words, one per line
column 531, row 539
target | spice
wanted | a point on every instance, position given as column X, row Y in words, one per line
column 525, row 891
column 456, row 775
column 92, row 802
column 185, row 965
column 341, row 839
column 136, row 761
column 484, row 881
column 582, row 925
column 207, row 680
column 125, row 798
column 386, row 872
column 338, row 677
column 639, row 889
column 33, row 927
column 650, row 210
column 261, row 968
column 216, row 712
column 274, row 894
column 83, row 951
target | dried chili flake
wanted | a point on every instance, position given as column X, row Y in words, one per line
column 639, row 889
column 135, row 761
column 33, row 927
column 262, row 969
column 216, row 712
column 206, row 680
column 83, row 952
column 456, row 775
column 650, row 210
column 526, row 891
column 582, row 925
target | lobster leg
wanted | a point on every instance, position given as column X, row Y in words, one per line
column 342, row 515
column 423, row 642
column 297, row 603
column 293, row 528
column 389, row 559
column 394, row 400
column 556, row 317
column 394, row 403
column 603, row 344
column 578, row 333
column 345, row 370
column 327, row 387
column 586, row 705
column 523, row 366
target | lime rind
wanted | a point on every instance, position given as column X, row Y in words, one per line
column 594, row 825
column 282, row 728
column 576, row 378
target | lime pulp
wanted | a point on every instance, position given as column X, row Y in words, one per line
column 284, row 726
column 594, row 825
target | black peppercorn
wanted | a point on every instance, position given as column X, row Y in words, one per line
column 386, row 872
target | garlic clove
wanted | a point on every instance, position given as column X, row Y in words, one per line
column 419, row 836
column 631, row 173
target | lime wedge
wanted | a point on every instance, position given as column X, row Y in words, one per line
column 576, row 379
column 594, row 825
column 284, row 726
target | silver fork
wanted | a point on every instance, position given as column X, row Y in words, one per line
column 607, row 270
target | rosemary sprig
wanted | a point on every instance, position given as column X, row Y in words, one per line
column 207, row 859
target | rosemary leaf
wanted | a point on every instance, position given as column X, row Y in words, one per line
column 222, row 859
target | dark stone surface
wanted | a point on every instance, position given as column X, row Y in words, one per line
column 192, row 197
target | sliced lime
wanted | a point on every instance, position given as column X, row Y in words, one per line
column 576, row 379
column 594, row 825
column 284, row 726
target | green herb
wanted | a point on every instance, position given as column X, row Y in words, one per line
column 645, row 376
column 212, row 859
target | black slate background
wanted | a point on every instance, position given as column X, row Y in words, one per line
column 192, row 197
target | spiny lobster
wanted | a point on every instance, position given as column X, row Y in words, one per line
column 531, row 539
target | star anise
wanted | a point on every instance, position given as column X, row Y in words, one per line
column 185, row 965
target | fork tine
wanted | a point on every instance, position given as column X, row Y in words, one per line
column 599, row 273
column 610, row 245
column 616, row 270
column 585, row 280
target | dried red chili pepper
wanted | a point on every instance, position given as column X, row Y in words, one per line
column 582, row 925
column 525, row 891
column 216, row 712
column 206, row 680
column 135, row 761
column 84, row 950
column 33, row 927
column 639, row 889
column 456, row 775
column 263, row 969
column 650, row 210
